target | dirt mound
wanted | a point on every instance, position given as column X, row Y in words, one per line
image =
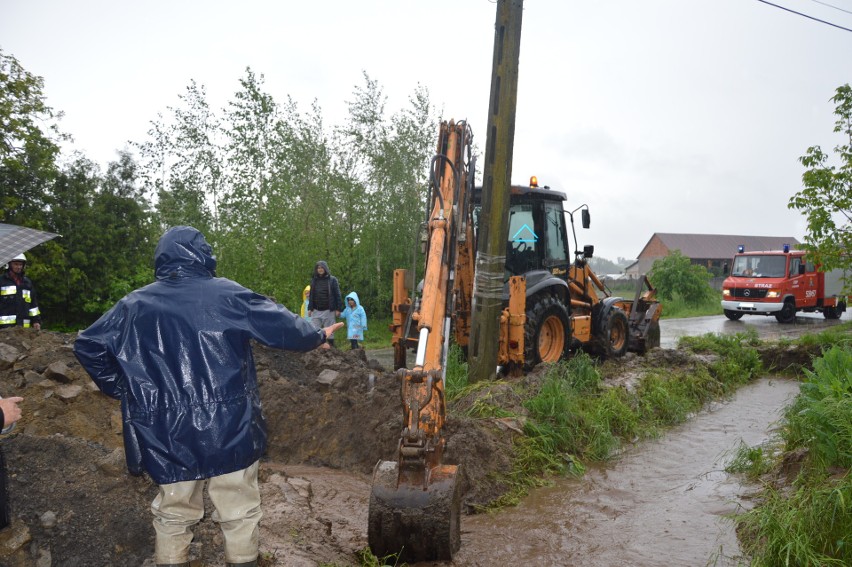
column 331, row 416
column 75, row 504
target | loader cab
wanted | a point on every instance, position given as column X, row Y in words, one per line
column 537, row 239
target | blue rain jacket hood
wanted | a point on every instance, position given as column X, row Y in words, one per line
column 356, row 318
column 177, row 354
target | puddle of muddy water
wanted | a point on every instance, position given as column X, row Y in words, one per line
column 662, row 503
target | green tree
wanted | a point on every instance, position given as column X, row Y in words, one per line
column 62, row 274
column 389, row 158
column 826, row 200
column 181, row 163
column 283, row 191
column 676, row 276
column 258, row 206
column 106, row 248
column 29, row 144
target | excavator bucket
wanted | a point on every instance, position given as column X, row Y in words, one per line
column 644, row 321
column 412, row 522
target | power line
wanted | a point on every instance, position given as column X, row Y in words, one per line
column 805, row 16
column 830, row 6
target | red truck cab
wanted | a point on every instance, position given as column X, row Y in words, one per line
column 781, row 283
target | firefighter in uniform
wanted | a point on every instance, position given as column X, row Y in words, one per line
column 18, row 302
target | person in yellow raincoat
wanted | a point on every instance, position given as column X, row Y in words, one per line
column 306, row 294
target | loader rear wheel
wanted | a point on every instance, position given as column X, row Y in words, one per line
column 412, row 523
column 547, row 333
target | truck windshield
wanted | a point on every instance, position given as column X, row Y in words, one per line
column 769, row 266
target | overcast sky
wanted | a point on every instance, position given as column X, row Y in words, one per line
column 681, row 116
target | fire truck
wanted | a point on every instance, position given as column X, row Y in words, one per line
column 781, row 283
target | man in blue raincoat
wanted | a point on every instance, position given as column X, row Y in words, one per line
column 177, row 354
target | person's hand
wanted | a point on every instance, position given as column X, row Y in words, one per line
column 311, row 313
column 337, row 313
column 329, row 331
column 11, row 411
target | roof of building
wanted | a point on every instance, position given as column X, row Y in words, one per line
column 640, row 266
column 712, row 246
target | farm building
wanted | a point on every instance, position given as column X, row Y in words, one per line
column 713, row 251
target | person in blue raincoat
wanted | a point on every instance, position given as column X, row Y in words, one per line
column 356, row 320
column 177, row 354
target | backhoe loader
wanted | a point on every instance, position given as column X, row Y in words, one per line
column 552, row 307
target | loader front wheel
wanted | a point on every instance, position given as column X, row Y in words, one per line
column 547, row 333
column 653, row 338
column 612, row 340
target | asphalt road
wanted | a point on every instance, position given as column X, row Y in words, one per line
column 672, row 329
column 765, row 326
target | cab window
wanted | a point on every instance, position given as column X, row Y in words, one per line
column 523, row 246
column 794, row 266
column 556, row 249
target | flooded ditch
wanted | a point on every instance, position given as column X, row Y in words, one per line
column 661, row 503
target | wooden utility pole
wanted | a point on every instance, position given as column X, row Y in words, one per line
column 497, row 180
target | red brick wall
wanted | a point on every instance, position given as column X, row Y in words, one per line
column 655, row 248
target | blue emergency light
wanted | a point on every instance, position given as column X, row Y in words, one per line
column 740, row 248
column 786, row 248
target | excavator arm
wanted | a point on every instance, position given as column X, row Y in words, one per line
column 415, row 501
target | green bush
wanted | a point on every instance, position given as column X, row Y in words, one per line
column 675, row 275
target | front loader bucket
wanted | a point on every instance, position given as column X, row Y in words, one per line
column 415, row 523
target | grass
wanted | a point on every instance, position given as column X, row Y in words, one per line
column 677, row 308
column 810, row 521
column 575, row 418
column 367, row 559
column 753, row 462
column 377, row 335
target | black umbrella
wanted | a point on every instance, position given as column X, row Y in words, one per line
column 16, row 240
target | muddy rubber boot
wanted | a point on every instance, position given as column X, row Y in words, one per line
column 248, row 564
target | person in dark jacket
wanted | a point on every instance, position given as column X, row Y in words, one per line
column 18, row 302
column 177, row 354
column 325, row 302
column 9, row 414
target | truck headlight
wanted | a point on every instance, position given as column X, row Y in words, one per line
column 726, row 293
column 772, row 293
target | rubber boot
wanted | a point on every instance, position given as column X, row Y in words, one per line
column 248, row 564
